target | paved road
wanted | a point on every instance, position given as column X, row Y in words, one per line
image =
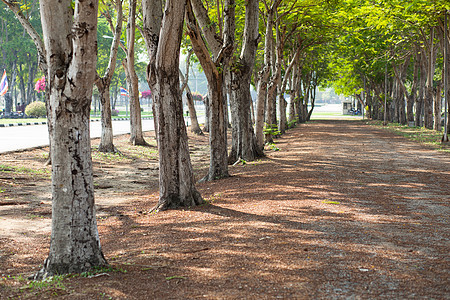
column 24, row 137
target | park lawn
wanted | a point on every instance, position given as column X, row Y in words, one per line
column 26, row 120
column 418, row 134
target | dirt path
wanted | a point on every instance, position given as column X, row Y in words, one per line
column 343, row 210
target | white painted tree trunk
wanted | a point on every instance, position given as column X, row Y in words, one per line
column 75, row 245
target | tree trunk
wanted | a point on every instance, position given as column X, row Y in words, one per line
column 215, row 68
column 106, row 141
column 420, row 99
column 292, row 99
column 411, row 98
column 136, row 135
column 263, row 79
column 396, row 100
column 261, row 101
column 281, row 102
column 272, row 92
column 207, row 114
column 428, row 103
column 445, row 43
column 195, row 127
column 282, row 123
column 103, row 84
column 75, row 245
column 304, row 99
column 438, row 108
column 313, row 102
column 243, row 138
column 176, row 176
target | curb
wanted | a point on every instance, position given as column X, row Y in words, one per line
column 44, row 123
column 22, row 124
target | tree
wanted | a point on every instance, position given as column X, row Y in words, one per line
column 195, row 127
column 162, row 33
column 103, row 83
column 136, row 135
column 214, row 68
column 243, row 138
column 75, row 245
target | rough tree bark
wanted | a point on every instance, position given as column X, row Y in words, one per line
column 431, row 64
column 103, row 84
column 422, row 83
column 437, row 108
column 263, row 80
column 243, row 138
column 163, row 39
column 293, row 83
column 136, row 135
column 214, row 67
column 195, row 127
column 207, row 114
column 282, row 125
column 266, row 89
column 75, row 245
column 413, row 95
column 274, row 82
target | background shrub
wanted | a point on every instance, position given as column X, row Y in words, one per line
column 114, row 112
column 36, row 109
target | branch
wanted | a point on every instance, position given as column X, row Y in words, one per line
column 183, row 78
column 116, row 42
column 198, row 44
column 108, row 18
column 201, row 14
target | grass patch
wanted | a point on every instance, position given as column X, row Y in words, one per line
column 15, row 121
column 142, row 152
column 104, row 157
column 24, row 170
column 418, row 134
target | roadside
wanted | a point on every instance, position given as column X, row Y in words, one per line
column 41, row 121
column 342, row 210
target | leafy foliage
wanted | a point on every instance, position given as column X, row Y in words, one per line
column 36, row 109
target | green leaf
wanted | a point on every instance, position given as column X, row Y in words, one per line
column 330, row 202
column 175, row 277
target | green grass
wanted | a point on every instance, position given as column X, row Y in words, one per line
column 24, row 170
column 418, row 134
column 28, row 120
column 122, row 115
column 327, row 114
column 50, row 283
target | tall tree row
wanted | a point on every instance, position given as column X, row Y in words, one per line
column 390, row 50
column 394, row 50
